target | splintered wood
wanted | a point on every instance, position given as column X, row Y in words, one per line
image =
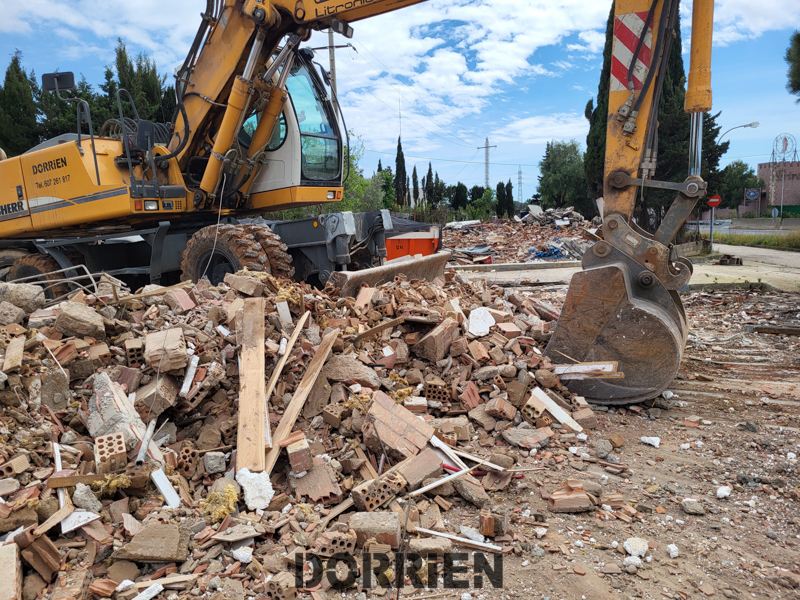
column 300, row 396
column 252, row 434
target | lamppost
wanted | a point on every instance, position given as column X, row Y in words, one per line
column 752, row 125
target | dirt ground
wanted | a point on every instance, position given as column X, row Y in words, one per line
column 733, row 421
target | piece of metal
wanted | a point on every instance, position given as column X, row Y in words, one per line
column 695, row 143
column 693, row 186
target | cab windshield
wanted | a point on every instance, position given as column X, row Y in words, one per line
column 318, row 139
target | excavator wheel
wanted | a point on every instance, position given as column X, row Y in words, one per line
column 279, row 261
column 39, row 265
column 215, row 251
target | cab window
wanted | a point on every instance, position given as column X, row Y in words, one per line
column 249, row 128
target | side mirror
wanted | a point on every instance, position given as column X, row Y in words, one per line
column 58, row 82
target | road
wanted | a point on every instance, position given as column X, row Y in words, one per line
column 778, row 268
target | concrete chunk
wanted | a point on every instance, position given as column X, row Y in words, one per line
column 157, row 542
column 24, row 295
column 80, row 320
column 11, row 570
column 382, row 526
column 349, row 368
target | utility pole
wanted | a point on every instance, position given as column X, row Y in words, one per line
column 519, row 184
column 332, row 61
column 485, row 148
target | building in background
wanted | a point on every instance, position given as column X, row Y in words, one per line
column 781, row 188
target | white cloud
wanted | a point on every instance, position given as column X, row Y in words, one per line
column 540, row 129
column 737, row 20
column 448, row 63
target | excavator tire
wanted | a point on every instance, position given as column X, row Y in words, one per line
column 278, row 258
column 39, row 265
column 235, row 249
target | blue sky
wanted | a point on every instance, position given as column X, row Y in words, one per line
column 519, row 72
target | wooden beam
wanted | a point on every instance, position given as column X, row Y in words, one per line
column 300, row 396
column 276, row 372
column 378, row 328
column 252, row 431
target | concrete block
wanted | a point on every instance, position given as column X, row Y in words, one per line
column 79, row 320
column 383, row 527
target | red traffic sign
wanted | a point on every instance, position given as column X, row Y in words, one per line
column 714, row 201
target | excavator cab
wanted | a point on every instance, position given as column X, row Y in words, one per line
column 305, row 152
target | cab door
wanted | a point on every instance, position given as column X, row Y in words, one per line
column 15, row 216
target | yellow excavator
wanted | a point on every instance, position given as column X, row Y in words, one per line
column 258, row 129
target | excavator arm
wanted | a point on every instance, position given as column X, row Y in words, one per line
column 624, row 304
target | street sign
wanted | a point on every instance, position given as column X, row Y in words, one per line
column 714, row 201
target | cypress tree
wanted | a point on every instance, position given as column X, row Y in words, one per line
column 380, row 166
column 415, row 184
column 594, row 159
column 400, row 185
column 429, row 186
column 19, row 130
column 509, row 198
column 500, row 200
column 460, row 196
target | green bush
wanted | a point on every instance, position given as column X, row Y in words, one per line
column 789, row 241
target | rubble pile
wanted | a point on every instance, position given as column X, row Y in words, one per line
column 528, row 240
column 138, row 453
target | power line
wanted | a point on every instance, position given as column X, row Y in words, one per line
column 454, row 160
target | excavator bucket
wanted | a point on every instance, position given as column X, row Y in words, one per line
column 618, row 310
column 347, row 283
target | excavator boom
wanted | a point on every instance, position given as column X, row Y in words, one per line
column 624, row 304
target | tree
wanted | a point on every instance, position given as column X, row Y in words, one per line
column 140, row 77
column 734, row 179
column 476, row 193
column 400, row 183
column 483, row 207
column 429, row 186
column 380, row 166
column 562, row 179
column 509, row 205
column 438, row 190
column 594, row 161
column 460, row 196
column 712, row 151
column 500, row 196
column 19, row 130
column 415, row 184
column 793, row 60
column 387, row 179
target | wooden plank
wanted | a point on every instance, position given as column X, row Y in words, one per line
column 558, row 413
column 587, row 367
column 276, row 372
column 300, row 396
column 251, row 434
column 56, row 518
column 14, row 351
column 380, row 327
